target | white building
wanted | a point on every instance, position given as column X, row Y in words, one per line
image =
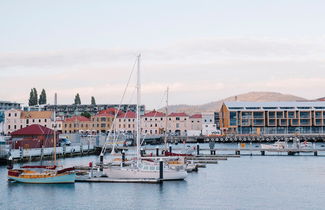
column 208, row 125
column 16, row 119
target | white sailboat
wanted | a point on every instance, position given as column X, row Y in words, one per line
column 144, row 168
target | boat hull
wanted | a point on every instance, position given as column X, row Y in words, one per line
column 132, row 173
column 58, row 179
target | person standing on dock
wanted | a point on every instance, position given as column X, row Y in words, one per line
column 211, row 145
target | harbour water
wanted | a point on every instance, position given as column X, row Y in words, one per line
column 248, row 182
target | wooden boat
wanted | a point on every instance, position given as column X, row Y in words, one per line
column 42, row 175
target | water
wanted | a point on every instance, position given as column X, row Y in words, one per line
column 270, row 182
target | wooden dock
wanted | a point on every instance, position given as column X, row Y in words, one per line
column 110, row 180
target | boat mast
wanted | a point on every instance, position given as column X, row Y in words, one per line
column 54, row 135
column 138, row 110
column 166, row 123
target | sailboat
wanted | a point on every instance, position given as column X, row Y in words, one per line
column 38, row 174
column 144, row 168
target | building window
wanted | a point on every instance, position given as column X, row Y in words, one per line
column 15, row 114
column 45, row 120
column 8, row 127
column 15, row 126
column 177, row 118
column 39, row 120
column 9, row 115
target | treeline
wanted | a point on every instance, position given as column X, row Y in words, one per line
column 35, row 100
column 33, row 97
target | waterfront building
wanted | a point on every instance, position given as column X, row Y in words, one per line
column 178, row 123
column 260, row 118
column 76, row 124
column 102, row 122
column 76, row 109
column 208, row 124
column 33, row 136
column 195, row 122
column 17, row 119
column 153, row 123
column 125, row 122
column 6, row 105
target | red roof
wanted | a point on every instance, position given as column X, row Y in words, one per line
column 154, row 113
column 111, row 111
column 34, row 129
column 104, row 115
column 129, row 114
column 181, row 114
column 77, row 118
column 196, row 116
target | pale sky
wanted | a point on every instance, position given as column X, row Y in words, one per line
column 203, row 50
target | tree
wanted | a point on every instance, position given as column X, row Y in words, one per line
column 42, row 97
column 93, row 102
column 86, row 114
column 33, row 98
column 77, row 99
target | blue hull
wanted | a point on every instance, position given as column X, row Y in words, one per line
column 66, row 178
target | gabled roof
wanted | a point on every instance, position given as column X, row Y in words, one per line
column 180, row 114
column 111, row 111
column 154, row 113
column 128, row 114
column 104, row 115
column 77, row 118
column 36, row 115
column 196, row 116
column 34, row 129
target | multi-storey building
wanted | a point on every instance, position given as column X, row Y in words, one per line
column 195, row 122
column 178, row 123
column 126, row 122
column 153, row 123
column 16, row 119
column 76, row 124
column 273, row 117
column 6, row 105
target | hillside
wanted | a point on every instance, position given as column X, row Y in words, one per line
column 251, row 96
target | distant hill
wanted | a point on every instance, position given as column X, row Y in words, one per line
column 216, row 105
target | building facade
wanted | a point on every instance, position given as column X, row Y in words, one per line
column 17, row 119
column 75, row 110
column 153, row 123
column 6, row 105
column 262, row 118
column 178, row 123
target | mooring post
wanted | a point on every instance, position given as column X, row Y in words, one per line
column 170, row 148
column 197, row 149
column 101, row 161
column 64, row 149
column 10, row 163
column 250, row 148
column 21, row 153
column 161, row 169
column 263, row 152
column 81, row 149
column 157, row 151
column 141, row 152
column 123, row 158
column 42, row 152
column 315, row 153
column 91, row 169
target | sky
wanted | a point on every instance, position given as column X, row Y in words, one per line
column 203, row 50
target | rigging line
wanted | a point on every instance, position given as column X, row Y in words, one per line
column 163, row 97
column 127, row 109
column 119, row 107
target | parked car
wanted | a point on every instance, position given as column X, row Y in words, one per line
column 64, row 141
